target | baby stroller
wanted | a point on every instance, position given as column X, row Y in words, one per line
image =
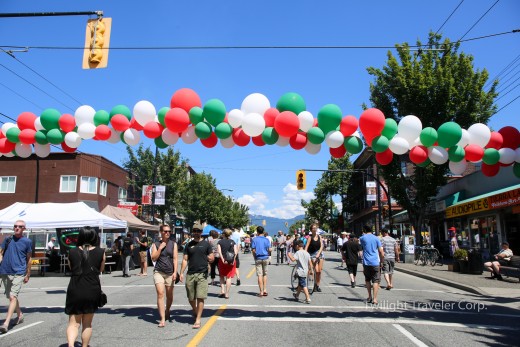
column 247, row 247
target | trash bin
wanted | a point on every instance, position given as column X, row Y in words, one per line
column 475, row 262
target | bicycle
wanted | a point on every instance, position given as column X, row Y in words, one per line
column 311, row 280
column 435, row 257
column 420, row 256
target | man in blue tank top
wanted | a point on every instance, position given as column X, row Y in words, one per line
column 373, row 255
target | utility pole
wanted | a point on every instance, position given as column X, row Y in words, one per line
column 154, row 182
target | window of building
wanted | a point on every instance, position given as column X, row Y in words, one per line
column 122, row 194
column 68, row 184
column 103, row 187
column 88, row 185
column 8, row 184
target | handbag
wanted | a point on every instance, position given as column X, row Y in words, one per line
column 102, row 299
column 229, row 257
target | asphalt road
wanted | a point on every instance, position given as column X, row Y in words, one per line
column 416, row 312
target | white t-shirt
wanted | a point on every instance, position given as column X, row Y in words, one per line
column 302, row 262
column 270, row 241
column 340, row 242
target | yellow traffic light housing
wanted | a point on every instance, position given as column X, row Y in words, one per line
column 301, row 181
column 97, row 41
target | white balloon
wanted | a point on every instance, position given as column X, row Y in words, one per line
column 38, row 124
column 7, row 126
column 356, row 134
column 22, row 150
column 464, row 140
column 227, row 143
column 399, row 145
column 416, row 142
column 84, row 114
column 334, row 139
column 409, row 128
column 170, row 138
column 189, row 136
column 86, row 131
column 479, row 134
column 115, row 136
column 72, row 139
column 144, row 112
column 132, row 137
column 311, row 148
column 517, row 155
column 438, row 155
column 306, row 120
column 253, row 124
column 282, row 141
column 507, row 156
column 255, row 103
column 458, row 168
column 42, row 151
column 8, row 155
column 235, row 118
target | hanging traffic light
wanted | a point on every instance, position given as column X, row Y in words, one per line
column 97, row 41
column 301, row 183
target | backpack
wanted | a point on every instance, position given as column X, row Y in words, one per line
column 229, row 255
column 127, row 243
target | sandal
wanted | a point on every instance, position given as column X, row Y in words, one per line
column 3, row 329
column 161, row 325
column 196, row 326
column 20, row 320
column 265, row 293
column 222, row 295
column 369, row 300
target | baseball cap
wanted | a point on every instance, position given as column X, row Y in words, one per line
column 197, row 225
column 452, row 229
column 344, row 233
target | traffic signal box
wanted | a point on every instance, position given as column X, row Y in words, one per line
column 97, row 41
column 301, row 181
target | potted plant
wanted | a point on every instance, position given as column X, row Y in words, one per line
column 461, row 257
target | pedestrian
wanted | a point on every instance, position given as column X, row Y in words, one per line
column 339, row 244
column 213, row 240
column 15, row 269
column 454, row 244
column 350, row 253
column 281, row 242
column 261, row 248
column 342, row 240
column 197, row 255
column 126, row 251
column 501, row 258
column 391, row 251
column 266, row 234
column 236, row 237
column 143, row 248
column 372, row 258
column 315, row 248
column 289, row 246
column 303, row 267
column 228, row 251
column 164, row 254
column 87, row 262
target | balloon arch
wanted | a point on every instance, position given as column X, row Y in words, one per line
column 289, row 123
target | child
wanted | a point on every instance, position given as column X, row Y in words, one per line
column 303, row 266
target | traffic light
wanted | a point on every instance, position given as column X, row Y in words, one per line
column 301, row 183
column 97, row 41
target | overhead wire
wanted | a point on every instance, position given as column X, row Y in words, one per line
column 502, row 71
column 447, row 19
column 481, row 17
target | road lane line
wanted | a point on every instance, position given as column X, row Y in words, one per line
column 195, row 341
column 20, row 329
column 251, row 272
column 410, row 336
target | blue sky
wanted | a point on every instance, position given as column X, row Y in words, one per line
column 261, row 177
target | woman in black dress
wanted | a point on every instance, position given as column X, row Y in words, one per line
column 86, row 262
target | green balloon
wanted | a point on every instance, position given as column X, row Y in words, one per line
column 50, row 118
column 353, row 144
column 456, row 153
column 12, row 135
column 491, row 156
column 390, row 128
column 291, row 102
column 329, row 117
column 121, row 109
column 101, row 117
column 425, row 163
column 380, row 144
column 223, row 130
column 315, row 135
column 270, row 136
column 161, row 114
column 214, row 111
column 516, row 169
column 122, row 137
column 449, row 134
column 55, row 136
column 428, row 137
column 196, row 115
column 41, row 137
column 160, row 143
column 203, row 130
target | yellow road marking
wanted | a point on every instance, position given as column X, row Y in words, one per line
column 251, row 272
column 205, row 329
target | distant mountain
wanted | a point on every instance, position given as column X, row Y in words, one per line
column 272, row 225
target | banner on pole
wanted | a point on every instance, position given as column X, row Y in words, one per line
column 371, row 191
column 160, row 195
column 146, row 198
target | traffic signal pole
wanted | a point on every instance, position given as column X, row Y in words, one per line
column 52, row 14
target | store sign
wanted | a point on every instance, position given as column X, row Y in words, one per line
column 474, row 206
column 131, row 206
column 506, row 199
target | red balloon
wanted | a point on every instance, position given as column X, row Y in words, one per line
column 26, row 120
column 287, row 124
column 2, row 135
column 186, row 99
column 211, row 141
column 6, row 146
column 338, row 152
column 270, row 116
column 136, row 125
column 120, row 122
column 385, row 158
column 177, row 120
column 27, row 136
column 67, row 122
column 490, row 170
column 240, row 137
column 226, row 119
column 372, row 122
column 67, row 148
column 152, row 130
column 418, row 154
column 495, row 141
column 103, row 132
column 258, row 141
column 298, row 141
column 315, row 122
column 474, row 153
column 511, row 137
column 348, row 125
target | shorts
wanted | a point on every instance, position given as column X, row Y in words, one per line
column 197, row 286
column 163, row 278
column 302, row 282
column 261, row 267
column 388, row 266
column 313, row 255
column 143, row 256
column 352, row 269
column 372, row 273
column 12, row 284
column 237, row 262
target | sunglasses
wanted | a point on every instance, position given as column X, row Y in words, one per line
column 19, row 226
column 166, row 231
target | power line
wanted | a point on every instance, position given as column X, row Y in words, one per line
column 503, row 70
column 503, row 89
column 21, row 96
column 509, row 103
column 501, row 96
column 447, row 19
column 467, row 32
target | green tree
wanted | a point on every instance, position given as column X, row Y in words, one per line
column 438, row 84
